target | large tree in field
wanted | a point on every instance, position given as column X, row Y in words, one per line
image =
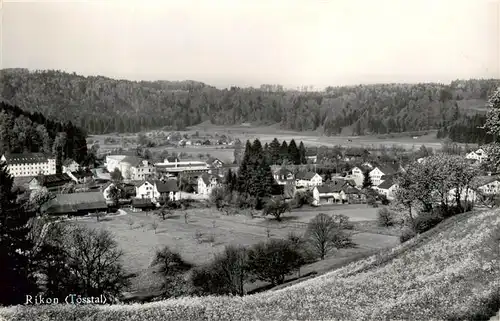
column 272, row 261
column 326, row 233
column 16, row 278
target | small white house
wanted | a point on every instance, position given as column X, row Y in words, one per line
column 378, row 172
column 388, row 187
column 207, row 182
column 308, row 179
column 357, row 175
column 70, row 165
column 282, row 176
column 158, row 191
column 324, row 194
column 105, row 190
column 113, row 161
column 478, row 155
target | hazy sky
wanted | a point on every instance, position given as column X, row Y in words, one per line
column 245, row 42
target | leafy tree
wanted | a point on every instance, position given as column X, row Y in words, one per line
column 116, row 175
column 115, row 194
column 226, row 274
column 325, row 233
column 293, row 153
column 273, row 260
column 302, row 153
column 170, row 262
column 274, row 151
column 237, row 151
column 16, row 277
column 284, row 152
column 367, row 181
column 276, row 207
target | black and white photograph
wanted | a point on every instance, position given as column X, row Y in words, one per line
column 234, row 160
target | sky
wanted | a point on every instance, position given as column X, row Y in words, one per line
column 248, row 43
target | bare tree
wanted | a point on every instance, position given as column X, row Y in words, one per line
column 325, row 234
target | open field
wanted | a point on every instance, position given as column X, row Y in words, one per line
column 451, row 272
column 267, row 134
column 138, row 240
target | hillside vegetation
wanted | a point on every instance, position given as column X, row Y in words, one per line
column 451, row 272
column 103, row 105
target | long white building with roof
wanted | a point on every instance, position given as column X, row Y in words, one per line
column 33, row 164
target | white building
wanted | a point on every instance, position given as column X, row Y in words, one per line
column 34, row 164
column 158, row 191
column 388, row 187
column 324, row 194
column 173, row 166
column 308, row 179
column 357, row 175
column 113, row 161
column 377, row 174
column 70, row 165
column 207, row 182
column 478, row 155
column 135, row 168
column 282, row 176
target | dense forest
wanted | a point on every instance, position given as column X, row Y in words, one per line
column 22, row 131
column 102, row 105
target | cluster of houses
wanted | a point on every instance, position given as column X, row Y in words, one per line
column 147, row 185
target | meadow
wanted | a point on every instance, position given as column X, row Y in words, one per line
column 208, row 231
column 451, row 272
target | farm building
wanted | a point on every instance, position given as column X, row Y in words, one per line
column 76, row 204
column 142, row 204
column 51, row 182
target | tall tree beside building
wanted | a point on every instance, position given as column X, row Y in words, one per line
column 293, row 153
column 274, row 151
column 237, row 151
column 367, row 181
column 493, row 126
column 244, row 171
column 302, row 153
column 16, row 279
column 284, row 152
column 59, row 151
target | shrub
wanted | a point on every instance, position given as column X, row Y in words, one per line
column 385, row 217
column 407, row 234
column 272, row 261
column 425, row 221
column 226, row 274
column 371, row 201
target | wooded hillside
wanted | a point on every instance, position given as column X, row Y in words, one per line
column 101, row 105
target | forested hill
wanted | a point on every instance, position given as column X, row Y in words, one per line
column 100, row 104
column 25, row 132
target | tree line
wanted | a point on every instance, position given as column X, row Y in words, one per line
column 25, row 132
column 103, row 105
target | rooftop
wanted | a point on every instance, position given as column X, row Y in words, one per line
column 27, row 158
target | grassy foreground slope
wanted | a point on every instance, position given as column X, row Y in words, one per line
column 449, row 273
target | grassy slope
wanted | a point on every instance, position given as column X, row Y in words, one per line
column 450, row 272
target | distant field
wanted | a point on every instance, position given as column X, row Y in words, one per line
column 139, row 241
column 268, row 133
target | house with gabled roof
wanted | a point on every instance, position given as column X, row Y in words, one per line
column 51, row 182
column 158, row 191
column 308, row 179
column 207, row 182
column 69, row 165
column 477, row 155
column 378, row 172
column 283, row 175
column 387, row 187
column 329, row 194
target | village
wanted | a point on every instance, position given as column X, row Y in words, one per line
column 148, row 186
